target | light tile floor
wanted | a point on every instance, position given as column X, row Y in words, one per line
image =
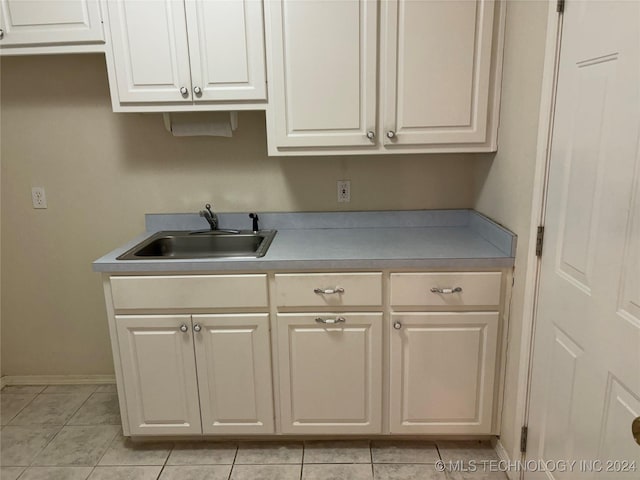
column 72, row 432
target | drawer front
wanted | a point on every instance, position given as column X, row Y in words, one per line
column 189, row 291
column 445, row 289
column 329, row 289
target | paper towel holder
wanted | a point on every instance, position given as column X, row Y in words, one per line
column 233, row 119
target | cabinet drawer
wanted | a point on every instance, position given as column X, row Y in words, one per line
column 329, row 289
column 420, row 289
column 189, row 291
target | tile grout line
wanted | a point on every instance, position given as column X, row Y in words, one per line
column 233, row 462
column 19, row 411
column 302, row 460
column 371, row 457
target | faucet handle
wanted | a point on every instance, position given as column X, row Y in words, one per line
column 255, row 218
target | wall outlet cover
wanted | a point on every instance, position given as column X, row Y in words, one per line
column 344, row 191
column 38, row 197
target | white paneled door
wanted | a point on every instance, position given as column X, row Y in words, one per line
column 149, row 41
column 226, row 47
column 442, row 372
column 234, row 373
column 324, row 69
column 159, row 373
column 586, row 369
column 436, row 68
column 330, row 373
column 50, row 22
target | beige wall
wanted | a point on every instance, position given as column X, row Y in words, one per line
column 506, row 184
column 102, row 171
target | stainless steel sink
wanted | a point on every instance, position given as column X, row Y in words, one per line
column 210, row 244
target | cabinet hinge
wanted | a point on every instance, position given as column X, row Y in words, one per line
column 524, row 432
column 539, row 241
column 560, row 6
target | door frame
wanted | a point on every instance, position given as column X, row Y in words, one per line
column 553, row 44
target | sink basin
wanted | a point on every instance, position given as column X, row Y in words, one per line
column 214, row 244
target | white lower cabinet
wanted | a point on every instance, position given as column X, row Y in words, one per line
column 234, row 373
column 223, row 387
column 425, row 342
column 442, row 372
column 159, row 373
column 330, row 373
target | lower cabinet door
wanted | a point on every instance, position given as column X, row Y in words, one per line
column 330, row 373
column 234, row 373
column 159, row 373
column 442, row 372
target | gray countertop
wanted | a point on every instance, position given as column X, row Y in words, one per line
column 342, row 240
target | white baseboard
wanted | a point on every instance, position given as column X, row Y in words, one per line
column 56, row 380
column 504, row 456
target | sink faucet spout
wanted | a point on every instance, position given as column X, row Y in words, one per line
column 210, row 217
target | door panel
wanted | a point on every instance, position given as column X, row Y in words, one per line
column 324, row 72
column 442, row 372
column 50, row 22
column 226, row 43
column 234, row 373
column 150, row 50
column 586, row 363
column 159, row 373
column 330, row 375
column 436, row 71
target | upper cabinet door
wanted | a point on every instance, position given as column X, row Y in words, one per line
column 323, row 59
column 226, row 43
column 150, row 50
column 50, row 22
column 436, row 70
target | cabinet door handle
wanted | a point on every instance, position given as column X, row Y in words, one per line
column 184, row 328
column 197, row 327
column 397, row 325
column 371, row 134
column 391, row 134
column 1, row 34
column 447, row 291
column 184, row 91
column 197, row 91
column 328, row 291
column 331, row 321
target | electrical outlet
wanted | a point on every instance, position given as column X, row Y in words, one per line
column 38, row 197
column 344, row 191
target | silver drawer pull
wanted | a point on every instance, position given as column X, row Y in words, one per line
column 447, row 291
column 331, row 321
column 184, row 328
column 328, row 291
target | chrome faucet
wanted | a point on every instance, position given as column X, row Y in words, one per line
column 210, row 217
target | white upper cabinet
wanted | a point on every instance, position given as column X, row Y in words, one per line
column 172, row 55
column 323, row 67
column 50, row 26
column 438, row 65
column 226, row 46
column 149, row 42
